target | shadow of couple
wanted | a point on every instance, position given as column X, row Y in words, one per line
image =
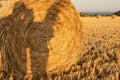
column 19, row 31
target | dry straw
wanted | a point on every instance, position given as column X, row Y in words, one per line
column 11, row 75
column 50, row 28
column 28, row 75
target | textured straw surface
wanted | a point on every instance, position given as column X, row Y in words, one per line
column 50, row 28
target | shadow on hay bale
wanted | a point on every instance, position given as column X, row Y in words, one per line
column 52, row 32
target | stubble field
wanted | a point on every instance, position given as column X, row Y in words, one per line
column 100, row 59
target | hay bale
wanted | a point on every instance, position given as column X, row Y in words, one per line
column 113, row 16
column 98, row 16
column 50, row 28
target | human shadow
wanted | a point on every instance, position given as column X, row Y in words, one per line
column 19, row 31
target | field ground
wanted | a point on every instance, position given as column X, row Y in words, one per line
column 100, row 59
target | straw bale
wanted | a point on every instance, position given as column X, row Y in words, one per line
column 113, row 16
column 50, row 28
column 98, row 16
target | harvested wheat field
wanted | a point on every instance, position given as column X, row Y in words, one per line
column 100, row 59
column 39, row 39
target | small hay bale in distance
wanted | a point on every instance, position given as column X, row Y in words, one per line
column 98, row 16
column 113, row 16
column 50, row 28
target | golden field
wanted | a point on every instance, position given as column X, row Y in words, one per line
column 100, row 59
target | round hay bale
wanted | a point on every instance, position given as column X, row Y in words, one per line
column 113, row 16
column 98, row 16
column 50, row 28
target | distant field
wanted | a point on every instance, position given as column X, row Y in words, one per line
column 101, row 49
